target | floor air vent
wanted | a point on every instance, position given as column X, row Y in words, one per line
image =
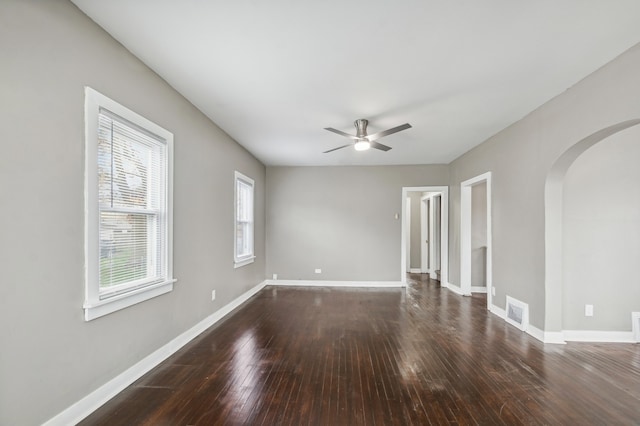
column 517, row 313
column 635, row 325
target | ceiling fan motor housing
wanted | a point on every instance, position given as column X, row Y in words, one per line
column 363, row 141
column 361, row 127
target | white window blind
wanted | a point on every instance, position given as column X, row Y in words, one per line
column 244, row 219
column 131, row 187
column 128, row 207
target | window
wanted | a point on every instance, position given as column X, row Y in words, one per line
column 243, row 220
column 128, row 207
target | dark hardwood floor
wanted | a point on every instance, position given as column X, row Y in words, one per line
column 319, row 356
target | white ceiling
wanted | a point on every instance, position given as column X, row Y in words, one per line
column 274, row 73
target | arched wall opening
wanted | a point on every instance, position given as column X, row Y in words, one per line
column 554, row 232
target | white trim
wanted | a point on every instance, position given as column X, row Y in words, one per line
column 244, row 262
column 425, row 234
column 433, row 275
column 554, row 337
column 465, row 234
column 407, row 233
column 444, row 230
column 239, row 261
column 478, row 289
column 457, row 290
column 97, row 304
column 598, row 336
column 536, row 333
column 553, row 216
column 415, row 271
column 635, row 325
column 87, row 405
column 318, row 283
column 498, row 311
column 93, row 310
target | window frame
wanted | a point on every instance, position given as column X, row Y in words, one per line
column 97, row 304
column 250, row 257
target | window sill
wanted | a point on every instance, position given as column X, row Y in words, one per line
column 93, row 310
column 243, row 262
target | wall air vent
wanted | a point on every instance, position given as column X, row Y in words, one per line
column 517, row 313
column 635, row 325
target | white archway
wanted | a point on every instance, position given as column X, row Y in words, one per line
column 553, row 227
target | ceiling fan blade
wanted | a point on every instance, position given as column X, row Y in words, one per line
column 379, row 146
column 388, row 132
column 341, row 133
column 340, row 147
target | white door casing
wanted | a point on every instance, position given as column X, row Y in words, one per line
column 444, row 231
column 465, row 235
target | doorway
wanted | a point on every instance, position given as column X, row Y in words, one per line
column 475, row 237
column 431, row 234
column 555, row 264
column 430, row 228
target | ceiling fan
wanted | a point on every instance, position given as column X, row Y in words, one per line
column 364, row 141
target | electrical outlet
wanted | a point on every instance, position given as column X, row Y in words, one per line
column 213, row 295
column 318, row 271
column 588, row 310
column 275, row 276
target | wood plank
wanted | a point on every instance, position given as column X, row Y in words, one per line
column 424, row 356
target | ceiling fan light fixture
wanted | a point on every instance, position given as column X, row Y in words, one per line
column 362, row 145
column 364, row 141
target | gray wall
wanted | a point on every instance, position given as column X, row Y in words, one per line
column 50, row 357
column 520, row 158
column 601, row 228
column 339, row 219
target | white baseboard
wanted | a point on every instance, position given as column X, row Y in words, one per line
column 456, row 289
column 555, row 337
column 535, row 332
column 87, row 405
column 598, row 336
column 562, row 337
column 318, row 283
column 415, row 271
column 635, row 325
column 498, row 311
column 478, row 289
column 433, row 275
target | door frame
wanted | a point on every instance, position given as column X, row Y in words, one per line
column 406, row 233
column 433, row 232
column 444, row 231
column 465, row 235
column 425, row 234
